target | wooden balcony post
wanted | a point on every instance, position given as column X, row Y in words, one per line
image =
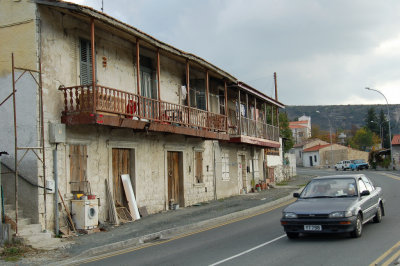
column 247, row 112
column 255, row 116
column 93, row 66
column 226, row 106
column 207, row 89
column 266, row 121
column 188, row 89
column 138, row 74
column 240, row 116
column 159, row 83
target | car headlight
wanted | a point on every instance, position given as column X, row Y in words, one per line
column 289, row 215
column 340, row 214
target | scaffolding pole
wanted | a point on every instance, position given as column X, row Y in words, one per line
column 41, row 124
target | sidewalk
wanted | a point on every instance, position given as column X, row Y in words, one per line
column 173, row 222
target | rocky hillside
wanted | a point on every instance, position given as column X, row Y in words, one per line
column 343, row 117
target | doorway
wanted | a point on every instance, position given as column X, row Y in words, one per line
column 311, row 162
column 242, row 173
column 175, row 178
column 122, row 163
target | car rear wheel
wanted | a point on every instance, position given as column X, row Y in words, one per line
column 358, row 230
column 292, row 235
column 378, row 215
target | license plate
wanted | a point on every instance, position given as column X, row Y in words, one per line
column 312, row 228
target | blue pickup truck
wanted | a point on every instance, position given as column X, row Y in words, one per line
column 358, row 165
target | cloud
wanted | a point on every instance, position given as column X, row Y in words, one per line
column 325, row 52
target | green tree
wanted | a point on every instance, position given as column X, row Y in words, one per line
column 384, row 130
column 285, row 132
column 371, row 121
column 363, row 139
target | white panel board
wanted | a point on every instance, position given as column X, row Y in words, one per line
column 130, row 196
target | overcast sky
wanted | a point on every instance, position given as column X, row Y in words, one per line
column 324, row 52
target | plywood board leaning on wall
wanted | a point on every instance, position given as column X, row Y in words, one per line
column 126, row 180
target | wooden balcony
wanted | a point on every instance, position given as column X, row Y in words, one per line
column 112, row 107
column 250, row 131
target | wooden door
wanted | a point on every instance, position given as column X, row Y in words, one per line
column 244, row 172
column 120, row 166
column 78, row 168
column 175, row 181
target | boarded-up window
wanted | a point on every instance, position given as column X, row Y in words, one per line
column 78, row 167
column 198, row 167
column 85, row 62
column 225, row 166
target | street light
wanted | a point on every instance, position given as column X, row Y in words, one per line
column 330, row 135
column 390, row 131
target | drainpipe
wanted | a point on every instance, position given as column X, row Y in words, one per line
column 215, row 172
column 56, row 192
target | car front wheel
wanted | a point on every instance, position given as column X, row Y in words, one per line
column 358, row 230
column 378, row 215
column 292, row 235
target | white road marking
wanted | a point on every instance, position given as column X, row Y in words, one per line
column 247, row 251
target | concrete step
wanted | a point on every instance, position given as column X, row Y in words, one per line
column 24, row 221
column 40, row 237
column 11, row 213
column 50, row 244
column 29, row 229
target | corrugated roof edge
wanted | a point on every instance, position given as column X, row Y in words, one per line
column 260, row 94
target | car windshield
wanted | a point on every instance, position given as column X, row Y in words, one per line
column 330, row 188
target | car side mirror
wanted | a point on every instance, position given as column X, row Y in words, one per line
column 365, row 193
column 296, row 195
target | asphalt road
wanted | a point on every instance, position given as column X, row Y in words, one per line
column 260, row 240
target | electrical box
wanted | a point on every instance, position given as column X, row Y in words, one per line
column 50, row 186
column 57, row 133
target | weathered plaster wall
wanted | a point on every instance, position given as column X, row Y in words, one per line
column 18, row 33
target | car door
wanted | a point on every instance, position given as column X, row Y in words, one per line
column 366, row 202
column 374, row 194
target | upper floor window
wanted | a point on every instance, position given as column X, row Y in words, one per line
column 86, row 69
column 198, row 94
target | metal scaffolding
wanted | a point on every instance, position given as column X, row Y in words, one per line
column 27, row 149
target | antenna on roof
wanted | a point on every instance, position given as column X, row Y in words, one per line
column 102, row 6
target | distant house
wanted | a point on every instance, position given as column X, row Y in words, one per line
column 301, row 129
column 298, row 148
column 396, row 151
column 327, row 155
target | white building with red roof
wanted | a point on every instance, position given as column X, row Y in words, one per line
column 301, row 129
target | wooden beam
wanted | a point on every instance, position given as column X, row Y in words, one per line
column 159, row 82
column 188, row 88
column 93, row 65
column 226, row 105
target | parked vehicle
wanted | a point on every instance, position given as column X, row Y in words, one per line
column 343, row 165
column 358, row 165
column 334, row 204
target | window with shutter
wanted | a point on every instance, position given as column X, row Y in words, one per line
column 198, row 94
column 85, row 62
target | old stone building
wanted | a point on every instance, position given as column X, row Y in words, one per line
column 118, row 101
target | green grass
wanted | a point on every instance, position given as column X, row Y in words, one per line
column 13, row 251
column 283, row 183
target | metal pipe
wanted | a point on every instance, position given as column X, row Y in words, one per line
column 276, row 87
column 42, row 141
column 15, row 147
column 55, row 170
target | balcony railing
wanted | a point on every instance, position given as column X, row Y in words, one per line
column 253, row 128
column 80, row 100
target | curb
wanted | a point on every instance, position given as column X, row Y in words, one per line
column 173, row 231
